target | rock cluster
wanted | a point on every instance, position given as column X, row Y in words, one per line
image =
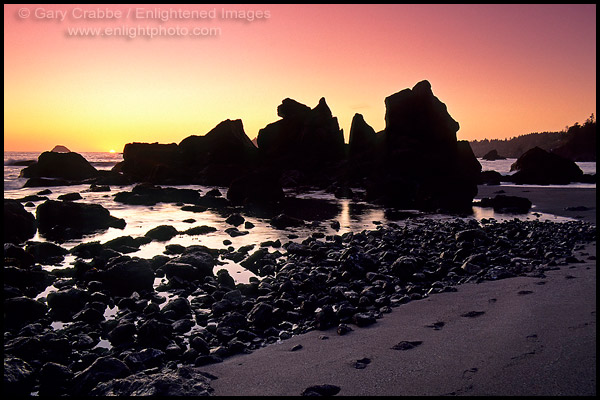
column 120, row 334
column 416, row 162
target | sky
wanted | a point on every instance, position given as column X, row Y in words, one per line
column 95, row 77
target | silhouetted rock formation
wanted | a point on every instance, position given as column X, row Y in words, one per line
column 423, row 165
column 149, row 162
column 69, row 166
column 60, row 149
column 416, row 162
column 363, row 138
column 420, row 116
column 302, row 136
column 227, row 143
column 537, row 166
column 216, row 158
column 493, row 155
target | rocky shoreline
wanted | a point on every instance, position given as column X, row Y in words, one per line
column 109, row 331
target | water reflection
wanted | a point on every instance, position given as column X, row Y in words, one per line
column 321, row 211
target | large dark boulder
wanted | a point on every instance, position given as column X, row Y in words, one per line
column 227, row 143
column 69, row 166
column 104, row 369
column 66, row 302
column 63, row 220
column 507, row 204
column 150, row 162
column 20, row 311
column 122, row 278
column 19, row 377
column 149, row 194
column 46, row 252
column 19, row 224
column 537, row 166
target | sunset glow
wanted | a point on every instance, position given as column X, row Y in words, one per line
column 502, row 70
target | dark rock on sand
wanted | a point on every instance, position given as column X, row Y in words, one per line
column 60, row 220
column 19, row 224
column 490, row 178
column 537, row 166
column 507, row 204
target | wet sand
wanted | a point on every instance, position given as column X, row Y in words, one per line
column 517, row 336
column 565, row 202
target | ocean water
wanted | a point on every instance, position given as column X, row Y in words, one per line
column 352, row 216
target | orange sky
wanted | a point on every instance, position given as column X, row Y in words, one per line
column 502, row 70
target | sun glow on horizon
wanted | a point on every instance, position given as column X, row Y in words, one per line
column 499, row 76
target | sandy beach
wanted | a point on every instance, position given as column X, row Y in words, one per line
column 565, row 202
column 517, row 336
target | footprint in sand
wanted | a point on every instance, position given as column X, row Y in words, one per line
column 472, row 314
column 524, row 292
column 436, row 325
column 362, row 363
column 468, row 373
column 532, row 338
column 321, row 390
column 406, row 345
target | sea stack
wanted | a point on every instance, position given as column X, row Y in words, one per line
column 422, row 165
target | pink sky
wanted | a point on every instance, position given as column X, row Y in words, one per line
column 502, row 70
